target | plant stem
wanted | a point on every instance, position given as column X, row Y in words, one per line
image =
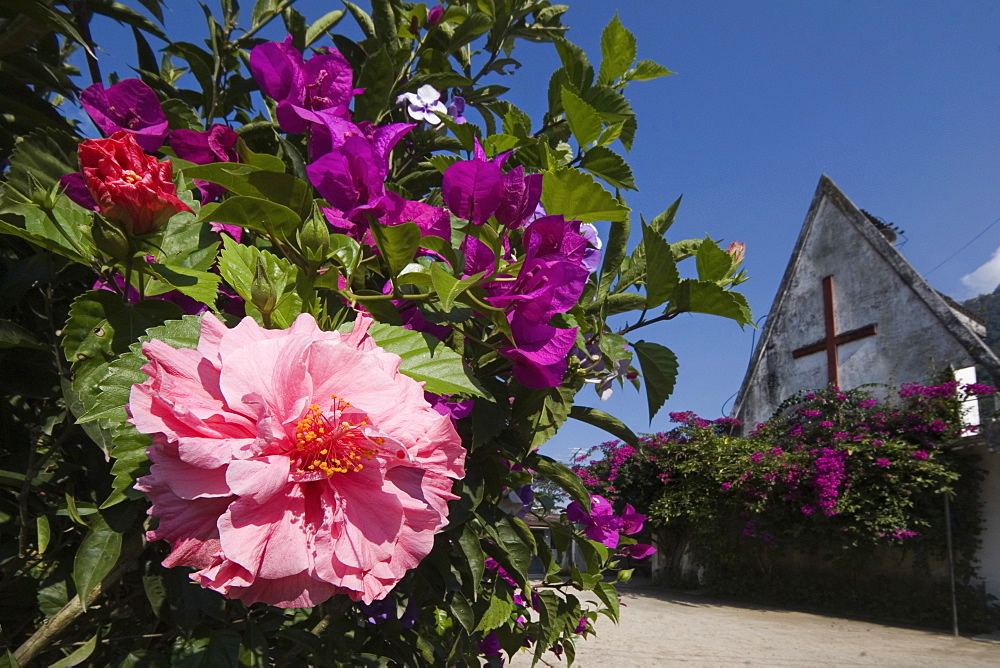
column 62, row 620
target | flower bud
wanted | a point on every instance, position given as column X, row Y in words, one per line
column 110, row 238
column 262, row 293
column 737, row 250
column 314, row 238
column 434, row 16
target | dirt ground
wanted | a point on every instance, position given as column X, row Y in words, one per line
column 660, row 628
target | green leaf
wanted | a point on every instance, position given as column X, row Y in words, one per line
column 202, row 286
column 661, row 223
column 645, row 70
column 471, row 549
column 576, row 65
column 584, row 121
column 101, row 327
column 62, row 234
column 560, row 475
column 377, row 77
column 577, row 195
column 38, row 162
column 608, row 423
column 462, row 611
column 237, row 264
column 78, row 656
column 96, row 557
column 662, row 276
column 617, row 51
column 253, row 648
column 44, row 533
column 614, row 253
column 659, row 371
column 710, row 298
column 12, row 335
column 605, row 164
column 606, row 592
column 397, row 243
column 713, row 263
column 254, row 181
column 425, row 358
column 319, row 27
column 363, row 19
column 448, row 287
column 472, row 27
column 255, row 213
column 497, row 614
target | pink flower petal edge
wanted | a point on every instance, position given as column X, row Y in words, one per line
column 292, row 465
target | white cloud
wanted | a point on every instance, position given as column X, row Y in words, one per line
column 986, row 278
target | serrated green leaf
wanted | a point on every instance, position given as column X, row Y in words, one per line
column 427, row 359
column 96, row 557
column 497, row 614
column 605, row 164
column 608, row 423
column 202, row 286
column 659, row 370
column 661, row 223
column 618, row 51
column 562, row 476
column 662, row 276
column 38, row 162
column 578, row 71
column 713, row 263
column 577, row 195
column 645, row 70
column 584, row 122
column 710, row 298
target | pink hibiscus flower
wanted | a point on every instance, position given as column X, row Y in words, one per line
column 292, row 465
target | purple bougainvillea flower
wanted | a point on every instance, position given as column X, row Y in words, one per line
column 539, row 353
column 520, row 198
column 129, row 105
column 631, row 521
column 424, row 105
column 447, row 406
column 434, row 15
column 217, row 144
column 349, row 176
column 600, row 524
column 472, row 189
column 638, row 551
column 235, row 231
column 75, row 187
column 489, row 646
column 302, row 87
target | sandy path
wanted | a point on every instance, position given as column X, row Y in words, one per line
column 670, row 629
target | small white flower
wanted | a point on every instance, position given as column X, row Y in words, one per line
column 423, row 105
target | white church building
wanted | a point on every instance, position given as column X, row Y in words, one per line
column 850, row 311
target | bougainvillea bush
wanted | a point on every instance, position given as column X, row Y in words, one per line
column 285, row 323
column 837, row 473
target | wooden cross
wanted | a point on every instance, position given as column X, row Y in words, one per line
column 832, row 339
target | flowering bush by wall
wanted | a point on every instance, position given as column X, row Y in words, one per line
column 837, row 470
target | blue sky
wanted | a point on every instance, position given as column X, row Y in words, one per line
column 896, row 101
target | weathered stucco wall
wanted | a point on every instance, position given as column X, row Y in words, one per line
column 989, row 497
